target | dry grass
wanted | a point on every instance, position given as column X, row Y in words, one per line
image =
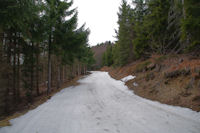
column 174, row 91
column 141, row 66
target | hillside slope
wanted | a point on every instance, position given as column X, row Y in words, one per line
column 172, row 79
column 98, row 51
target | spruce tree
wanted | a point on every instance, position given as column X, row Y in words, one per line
column 140, row 41
column 123, row 34
column 191, row 25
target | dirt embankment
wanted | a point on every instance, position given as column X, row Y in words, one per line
column 170, row 79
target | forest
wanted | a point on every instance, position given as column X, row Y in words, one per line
column 148, row 27
column 41, row 47
column 145, row 78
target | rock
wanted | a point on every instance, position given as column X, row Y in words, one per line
column 177, row 73
column 196, row 98
column 180, row 60
column 158, row 84
column 154, row 91
column 197, row 73
column 198, row 85
column 151, row 66
column 144, row 70
column 192, row 80
column 185, row 94
column 190, row 84
column 185, row 71
column 135, row 84
column 197, row 70
column 166, row 82
column 172, row 74
column 158, row 68
column 149, row 76
column 197, row 77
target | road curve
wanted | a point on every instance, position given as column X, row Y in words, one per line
column 101, row 104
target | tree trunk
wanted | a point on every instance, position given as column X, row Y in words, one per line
column 71, row 71
column 61, row 74
column 58, row 76
column 79, row 68
column 184, row 13
column 64, row 74
column 18, row 73
column 85, row 70
column 8, row 52
column 63, row 80
column 14, row 70
column 32, row 72
column 37, row 71
column 49, row 66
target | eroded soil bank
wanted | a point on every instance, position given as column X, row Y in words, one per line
column 170, row 79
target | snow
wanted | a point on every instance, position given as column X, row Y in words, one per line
column 101, row 104
column 125, row 79
column 135, row 84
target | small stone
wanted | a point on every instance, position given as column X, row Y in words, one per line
column 190, row 84
column 196, row 98
column 180, row 60
column 192, row 81
column 185, row 94
column 158, row 68
column 135, row 84
column 186, row 71
column 149, row 76
column 199, row 85
column 172, row 74
column 166, row 82
column 197, row 70
column 151, row 66
column 197, row 77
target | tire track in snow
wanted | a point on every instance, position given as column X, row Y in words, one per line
column 101, row 104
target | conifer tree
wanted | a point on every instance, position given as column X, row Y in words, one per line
column 56, row 12
column 29, row 32
column 190, row 25
column 140, row 44
column 123, row 34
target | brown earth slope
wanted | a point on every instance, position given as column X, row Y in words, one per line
column 98, row 51
column 171, row 79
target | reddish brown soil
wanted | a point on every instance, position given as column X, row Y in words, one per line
column 180, row 90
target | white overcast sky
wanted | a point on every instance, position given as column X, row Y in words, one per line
column 100, row 17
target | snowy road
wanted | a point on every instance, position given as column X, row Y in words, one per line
column 101, row 104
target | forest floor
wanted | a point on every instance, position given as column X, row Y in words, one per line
column 169, row 79
column 101, row 104
column 24, row 107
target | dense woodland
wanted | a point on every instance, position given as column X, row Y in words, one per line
column 41, row 47
column 98, row 51
column 149, row 27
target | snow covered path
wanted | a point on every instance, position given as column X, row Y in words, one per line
column 101, row 104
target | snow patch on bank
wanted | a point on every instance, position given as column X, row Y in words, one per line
column 135, row 84
column 101, row 104
column 130, row 77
